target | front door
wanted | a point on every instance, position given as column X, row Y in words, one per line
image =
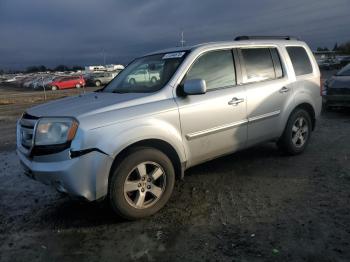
column 214, row 123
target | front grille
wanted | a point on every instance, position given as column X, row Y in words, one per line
column 27, row 124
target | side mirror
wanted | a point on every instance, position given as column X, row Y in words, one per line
column 195, row 87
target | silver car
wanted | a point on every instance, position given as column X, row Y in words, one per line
column 101, row 78
column 128, row 143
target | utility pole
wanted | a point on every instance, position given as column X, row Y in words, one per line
column 42, row 83
column 104, row 57
column 182, row 41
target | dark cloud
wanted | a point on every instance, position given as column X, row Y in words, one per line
column 79, row 31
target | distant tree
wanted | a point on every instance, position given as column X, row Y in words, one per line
column 335, row 48
column 322, row 49
column 77, row 67
column 344, row 48
column 32, row 69
column 42, row 68
column 61, row 68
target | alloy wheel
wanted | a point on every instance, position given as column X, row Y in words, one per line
column 144, row 185
column 300, row 132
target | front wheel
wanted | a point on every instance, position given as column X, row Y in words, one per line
column 297, row 133
column 141, row 184
column 132, row 81
column 153, row 80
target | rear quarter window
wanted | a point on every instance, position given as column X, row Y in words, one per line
column 300, row 60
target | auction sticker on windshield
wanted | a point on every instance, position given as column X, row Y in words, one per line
column 173, row 55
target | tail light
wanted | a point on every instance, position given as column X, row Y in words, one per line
column 321, row 85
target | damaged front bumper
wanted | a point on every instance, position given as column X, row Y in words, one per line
column 84, row 176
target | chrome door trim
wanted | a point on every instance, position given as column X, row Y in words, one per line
column 231, row 125
column 264, row 116
column 215, row 129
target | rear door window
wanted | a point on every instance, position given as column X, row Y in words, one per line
column 258, row 64
column 300, row 60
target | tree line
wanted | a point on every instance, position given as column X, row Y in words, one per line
column 343, row 48
column 61, row 68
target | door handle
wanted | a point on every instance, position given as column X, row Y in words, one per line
column 284, row 89
column 235, row 101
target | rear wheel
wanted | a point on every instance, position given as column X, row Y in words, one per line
column 141, row 184
column 98, row 83
column 54, row 88
column 78, row 86
column 297, row 133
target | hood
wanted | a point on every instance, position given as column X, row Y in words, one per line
column 86, row 104
column 339, row 82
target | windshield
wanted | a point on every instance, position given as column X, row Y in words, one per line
column 345, row 71
column 146, row 74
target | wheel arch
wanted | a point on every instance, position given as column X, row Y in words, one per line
column 310, row 109
column 159, row 144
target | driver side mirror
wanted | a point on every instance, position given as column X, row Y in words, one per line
column 195, row 87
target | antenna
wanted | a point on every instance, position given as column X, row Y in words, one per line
column 182, row 41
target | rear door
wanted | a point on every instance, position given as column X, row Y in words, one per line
column 213, row 123
column 267, row 91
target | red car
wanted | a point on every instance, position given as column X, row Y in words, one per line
column 67, row 82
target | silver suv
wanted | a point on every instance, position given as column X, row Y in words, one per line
column 129, row 141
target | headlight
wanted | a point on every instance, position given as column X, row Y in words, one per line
column 55, row 131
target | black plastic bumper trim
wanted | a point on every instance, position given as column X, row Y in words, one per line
column 79, row 153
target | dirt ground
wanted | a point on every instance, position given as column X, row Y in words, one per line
column 254, row 205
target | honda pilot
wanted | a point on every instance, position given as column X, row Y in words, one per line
column 128, row 142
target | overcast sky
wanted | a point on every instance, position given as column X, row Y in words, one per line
column 34, row 32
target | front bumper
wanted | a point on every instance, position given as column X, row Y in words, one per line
column 85, row 176
column 337, row 100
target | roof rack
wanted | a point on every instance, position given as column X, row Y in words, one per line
column 246, row 37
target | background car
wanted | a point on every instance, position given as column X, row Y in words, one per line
column 336, row 90
column 67, row 82
column 101, row 78
column 143, row 76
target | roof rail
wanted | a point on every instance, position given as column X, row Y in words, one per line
column 246, row 37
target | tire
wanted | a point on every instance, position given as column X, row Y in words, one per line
column 78, row 86
column 98, row 83
column 54, row 88
column 297, row 133
column 153, row 80
column 128, row 202
column 132, row 81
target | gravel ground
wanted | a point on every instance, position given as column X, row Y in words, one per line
column 254, row 205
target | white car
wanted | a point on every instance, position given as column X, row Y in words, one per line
column 143, row 76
